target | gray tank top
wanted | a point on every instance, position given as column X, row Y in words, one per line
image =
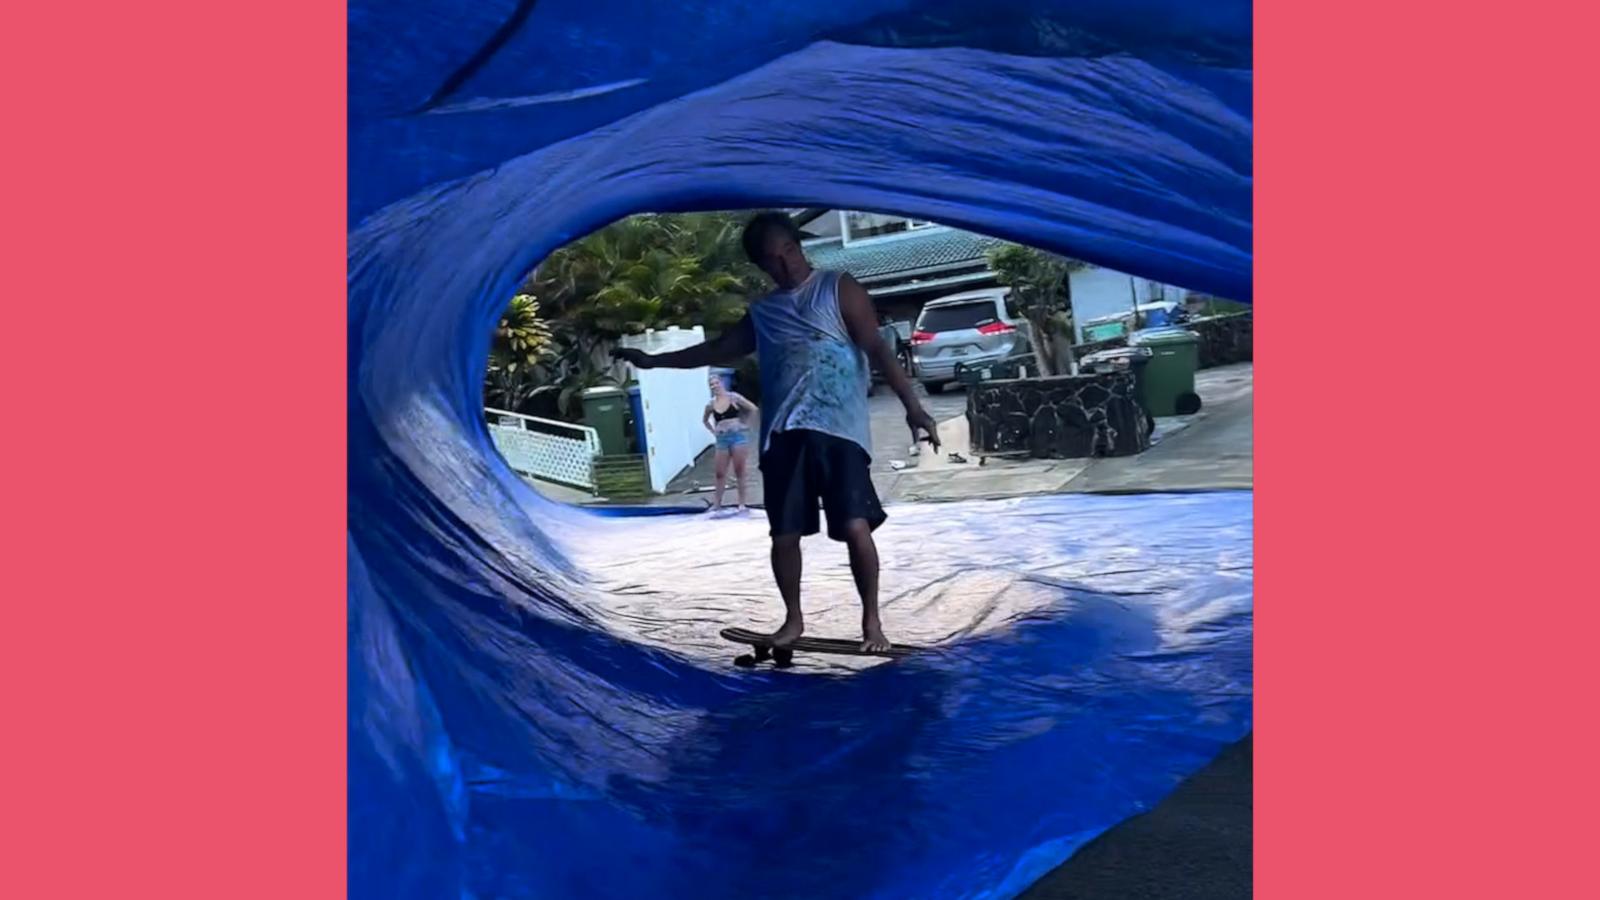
column 813, row 376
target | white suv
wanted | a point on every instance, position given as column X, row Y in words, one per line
column 973, row 328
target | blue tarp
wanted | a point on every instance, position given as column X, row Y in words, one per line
column 532, row 717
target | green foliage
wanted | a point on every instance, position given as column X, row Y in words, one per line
column 662, row 288
column 642, row 272
column 522, row 342
column 1042, row 290
column 1217, row 306
column 575, row 373
column 521, row 335
column 1038, row 280
column 650, row 271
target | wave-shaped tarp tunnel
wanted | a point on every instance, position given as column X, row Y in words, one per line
column 539, row 702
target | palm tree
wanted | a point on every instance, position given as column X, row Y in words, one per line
column 714, row 239
column 651, row 271
column 662, row 288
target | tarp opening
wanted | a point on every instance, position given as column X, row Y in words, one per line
column 530, row 716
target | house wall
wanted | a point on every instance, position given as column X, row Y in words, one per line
column 901, row 307
column 674, row 401
column 825, row 225
column 1096, row 292
column 1100, row 292
column 906, row 306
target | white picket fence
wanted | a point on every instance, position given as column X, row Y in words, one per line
column 552, row 457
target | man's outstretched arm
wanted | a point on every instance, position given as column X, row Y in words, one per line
column 855, row 307
column 730, row 346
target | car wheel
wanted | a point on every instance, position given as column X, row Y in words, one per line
column 936, row 387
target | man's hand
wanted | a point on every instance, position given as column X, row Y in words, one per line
column 918, row 418
column 637, row 358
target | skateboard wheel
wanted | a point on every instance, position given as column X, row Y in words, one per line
column 783, row 659
column 745, row 661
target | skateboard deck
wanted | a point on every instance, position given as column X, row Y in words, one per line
column 783, row 657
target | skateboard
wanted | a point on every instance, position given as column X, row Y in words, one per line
column 783, row 657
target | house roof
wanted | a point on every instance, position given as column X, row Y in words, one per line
column 937, row 248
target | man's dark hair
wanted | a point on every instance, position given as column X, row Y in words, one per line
column 762, row 224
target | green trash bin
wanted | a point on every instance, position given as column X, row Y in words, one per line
column 1168, row 382
column 605, row 410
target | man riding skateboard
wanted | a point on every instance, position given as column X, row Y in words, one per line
column 813, row 335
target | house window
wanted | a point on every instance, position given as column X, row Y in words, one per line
column 862, row 225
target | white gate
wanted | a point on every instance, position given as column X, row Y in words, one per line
column 673, row 401
column 565, row 458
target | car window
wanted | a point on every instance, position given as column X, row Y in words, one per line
column 1012, row 312
column 956, row 317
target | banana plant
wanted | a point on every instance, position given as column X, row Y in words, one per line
column 522, row 342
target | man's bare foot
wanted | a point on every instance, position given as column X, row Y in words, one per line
column 791, row 630
column 873, row 640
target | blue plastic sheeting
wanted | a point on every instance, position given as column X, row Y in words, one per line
column 1117, row 131
column 530, row 717
column 1093, row 650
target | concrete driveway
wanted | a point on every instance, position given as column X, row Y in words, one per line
column 1212, row 449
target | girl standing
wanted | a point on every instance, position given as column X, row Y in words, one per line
column 728, row 417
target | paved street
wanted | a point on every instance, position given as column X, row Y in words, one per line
column 1212, row 449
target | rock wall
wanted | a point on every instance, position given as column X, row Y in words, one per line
column 1225, row 339
column 1058, row 418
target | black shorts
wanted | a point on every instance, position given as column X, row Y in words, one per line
column 802, row 468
